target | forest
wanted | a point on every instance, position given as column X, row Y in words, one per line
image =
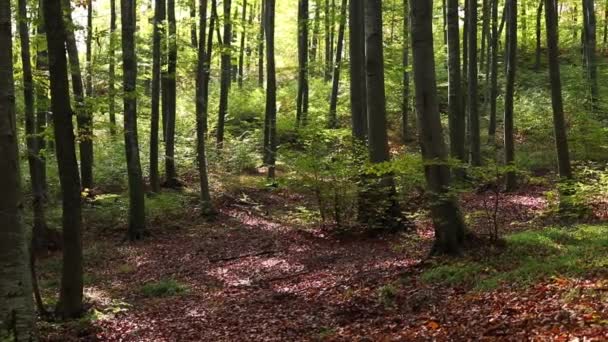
column 303, row 170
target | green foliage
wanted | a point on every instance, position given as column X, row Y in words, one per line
column 387, row 295
column 163, row 288
column 529, row 256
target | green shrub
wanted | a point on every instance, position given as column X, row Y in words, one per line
column 163, row 288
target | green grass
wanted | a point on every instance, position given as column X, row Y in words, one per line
column 163, row 288
column 529, row 257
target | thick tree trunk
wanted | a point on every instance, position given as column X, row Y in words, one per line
column 472, row 93
column 302, row 99
column 559, row 124
column 383, row 209
column 112, row 69
column 170, row 172
column 271, row 88
column 17, row 317
column 510, row 179
column 83, row 117
column 137, row 214
column 456, row 113
column 157, row 34
column 405, row 101
column 358, row 88
column 70, row 295
column 449, row 226
column 493, row 71
column 243, row 39
column 333, row 99
column 226, row 65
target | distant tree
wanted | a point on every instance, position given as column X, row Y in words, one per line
column 302, row 98
column 449, row 226
column 226, row 66
column 244, row 32
column 589, row 46
column 261, row 46
column 494, row 37
column 137, row 213
column 70, row 293
column 539, row 15
column 271, row 89
column 405, row 102
column 17, row 317
column 333, row 99
column 509, row 140
column 193, row 37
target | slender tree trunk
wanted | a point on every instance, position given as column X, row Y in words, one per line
column 83, row 117
column 70, row 294
column 233, row 60
column 383, row 209
column 112, row 67
column 405, row 101
column 358, row 89
column 589, row 48
column 449, row 226
column 261, row 45
column 170, row 172
column 473, row 97
column 243, row 39
column 249, row 39
column 226, row 73
column 485, row 31
column 539, row 15
column 510, row 180
column 17, row 316
column 493, row 71
column 302, row 105
column 315, row 32
column 89, row 51
column 271, row 87
column 457, row 118
column 42, row 99
column 207, row 73
column 137, row 214
column 193, row 37
column 158, row 33
column 333, row 100
column 328, row 53
column 559, row 124
column 605, row 39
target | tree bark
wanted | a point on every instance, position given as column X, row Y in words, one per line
column 358, row 89
column 302, row 99
column 510, row 179
column 449, row 226
column 493, row 71
column 456, row 113
column 589, row 48
column 157, row 34
column 112, row 69
column 333, row 100
column 226, row 65
column 137, row 214
column 405, row 101
column 70, row 294
column 17, row 317
column 207, row 73
column 271, row 86
column 261, row 46
column 170, row 172
column 193, row 37
column 472, row 94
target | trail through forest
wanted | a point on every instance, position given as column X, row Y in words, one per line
column 249, row 277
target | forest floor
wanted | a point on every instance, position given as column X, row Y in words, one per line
column 255, row 275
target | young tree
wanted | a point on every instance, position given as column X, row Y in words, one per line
column 456, row 114
column 559, row 124
column 384, row 211
column 509, row 92
column 271, row 89
column 472, row 99
column 157, row 34
column 17, row 317
column 70, row 295
column 137, row 213
column 302, row 100
column 333, row 100
column 226, row 66
column 83, row 117
column 449, row 226
column 112, row 69
column 170, row 172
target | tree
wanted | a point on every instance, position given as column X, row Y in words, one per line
column 170, row 172
column 244, row 27
column 89, row 51
column 456, row 113
column 271, row 89
column 493, row 70
column 17, row 318
column 157, row 34
column 137, row 214
column 70, row 294
column 509, row 92
column 384, row 211
column 302, row 99
column 226, row 66
column 472, row 94
column 193, row 37
column 358, row 88
column 559, row 124
column 42, row 98
column 83, row 118
column 206, row 76
column 589, row 47
column 202, row 68
column 405, row 103
column 261, row 46
column 112, row 69
column 333, row 100
column 449, row 226
column 539, row 14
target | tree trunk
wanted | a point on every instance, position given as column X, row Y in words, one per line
column 70, row 295
column 472, row 95
column 485, row 31
column 226, row 74
column 89, row 51
column 333, row 100
column 261, row 46
column 358, row 88
column 383, row 209
column 589, row 48
column 493, row 71
column 539, row 14
column 170, row 172
column 315, row 32
column 207, row 74
column 137, row 214
column 510, row 180
column 271, row 88
column 405, row 101
column 193, row 37
column 112, row 67
column 328, row 53
column 42, row 99
column 449, row 226
column 17, row 317
column 559, row 124
column 83, row 117
column 158, row 33
column 234, row 69
column 301, row 102
column 243, row 39
column 249, row 48
column 456, row 115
